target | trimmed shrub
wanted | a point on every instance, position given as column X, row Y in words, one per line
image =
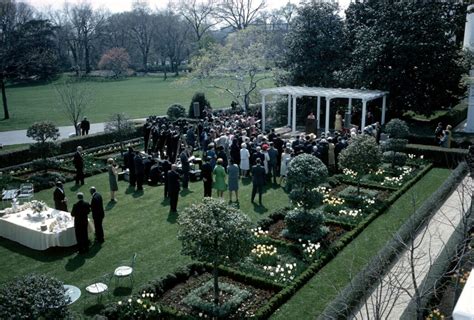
column 45, row 164
column 396, row 158
column 305, row 225
column 176, row 111
column 199, row 97
column 195, row 299
column 46, row 180
column 33, row 297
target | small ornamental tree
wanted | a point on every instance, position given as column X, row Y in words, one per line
column 214, row 232
column 117, row 60
column 397, row 131
column 176, row 111
column 120, row 125
column 362, row 155
column 44, row 133
column 305, row 174
column 199, row 97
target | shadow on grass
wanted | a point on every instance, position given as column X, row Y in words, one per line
column 122, row 291
column 94, row 309
column 261, row 209
column 75, row 263
column 246, row 181
column 130, row 190
column 75, row 188
column 185, row 192
column 138, row 193
column 50, row 255
column 94, row 249
column 110, row 205
column 172, row 217
column 165, row 202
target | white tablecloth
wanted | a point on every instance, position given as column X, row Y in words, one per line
column 464, row 309
column 21, row 228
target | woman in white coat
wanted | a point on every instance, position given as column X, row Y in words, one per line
column 244, row 160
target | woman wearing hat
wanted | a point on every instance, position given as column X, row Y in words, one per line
column 244, row 160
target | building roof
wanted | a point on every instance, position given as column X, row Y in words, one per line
column 329, row 93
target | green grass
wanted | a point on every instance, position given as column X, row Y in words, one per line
column 310, row 301
column 138, row 97
column 137, row 223
column 13, row 147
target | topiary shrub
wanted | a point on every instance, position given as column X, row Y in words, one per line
column 176, row 111
column 33, row 297
column 395, row 158
column 46, row 180
column 398, row 132
column 199, row 97
column 305, row 225
column 45, row 164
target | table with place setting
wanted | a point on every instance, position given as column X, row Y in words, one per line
column 38, row 230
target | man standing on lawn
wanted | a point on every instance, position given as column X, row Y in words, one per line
column 78, row 162
column 60, row 200
column 97, row 208
column 85, row 126
column 258, row 180
column 80, row 211
column 173, row 188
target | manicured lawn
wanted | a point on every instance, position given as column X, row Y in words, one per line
column 138, row 97
column 310, row 301
column 137, row 223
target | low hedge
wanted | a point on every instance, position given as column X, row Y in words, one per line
column 443, row 157
column 8, row 159
column 159, row 286
column 363, row 283
column 284, row 295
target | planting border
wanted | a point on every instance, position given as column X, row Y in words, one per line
column 363, row 283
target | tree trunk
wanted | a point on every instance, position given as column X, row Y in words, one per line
column 216, row 288
column 145, row 62
column 165, row 73
column 6, row 114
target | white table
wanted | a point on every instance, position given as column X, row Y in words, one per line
column 72, row 292
column 464, row 309
column 25, row 230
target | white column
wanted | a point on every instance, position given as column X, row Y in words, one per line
column 384, row 107
column 289, row 110
column 364, row 111
column 349, row 106
column 318, row 112
column 470, row 106
column 293, row 127
column 326, row 127
column 263, row 113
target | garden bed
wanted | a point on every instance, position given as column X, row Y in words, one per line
column 174, row 297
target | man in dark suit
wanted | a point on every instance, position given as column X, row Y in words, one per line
column 129, row 162
column 173, row 188
column 97, row 208
column 85, row 126
column 80, row 211
column 60, row 201
column 206, row 174
column 78, row 162
column 258, row 180
column 166, row 167
column 272, row 164
column 139, row 170
column 184, row 159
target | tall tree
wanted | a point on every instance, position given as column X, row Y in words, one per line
column 239, row 14
column 238, row 67
column 315, row 44
column 407, row 49
column 198, row 15
column 141, row 29
column 27, row 48
column 74, row 99
column 84, row 24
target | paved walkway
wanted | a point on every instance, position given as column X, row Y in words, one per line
column 388, row 300
column 19, row 136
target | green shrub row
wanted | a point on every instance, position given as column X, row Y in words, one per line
column 8, row 159
column 283, row 296
column 448, row 158
column 161, row 285
column 363, row 283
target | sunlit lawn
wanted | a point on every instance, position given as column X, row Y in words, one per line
column 138, row 223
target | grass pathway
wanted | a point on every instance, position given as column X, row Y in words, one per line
column 310, row 301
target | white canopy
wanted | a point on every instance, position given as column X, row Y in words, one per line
column 328, row 93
